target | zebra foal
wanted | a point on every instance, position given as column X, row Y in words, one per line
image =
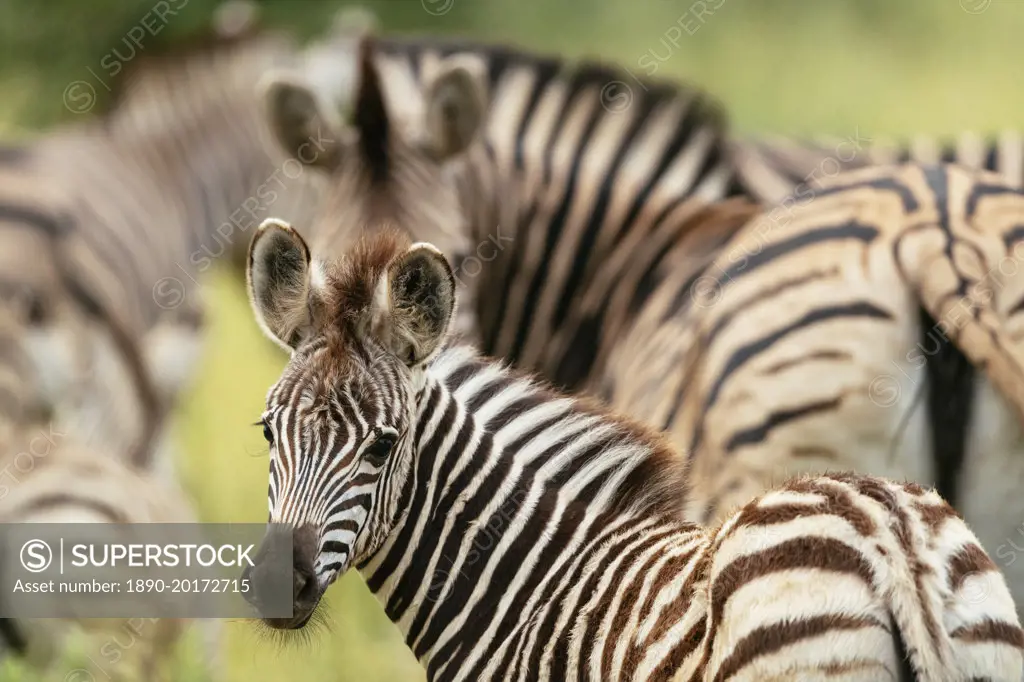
column 399, row 455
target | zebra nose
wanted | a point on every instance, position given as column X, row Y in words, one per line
column 305, row 590
column 283, row 548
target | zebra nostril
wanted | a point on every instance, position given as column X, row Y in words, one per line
column 305, row 587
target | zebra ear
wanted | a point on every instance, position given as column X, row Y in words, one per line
column 414, row 304
column 456, row 103
column 277, row 277
column 300, row 123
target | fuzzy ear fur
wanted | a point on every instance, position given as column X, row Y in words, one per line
column 299, row 121
column 455, row 106
column 413, row 304
column 278, row 280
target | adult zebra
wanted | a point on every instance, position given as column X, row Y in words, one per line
column 125, row 214
column 513, row 533
column 522, row 169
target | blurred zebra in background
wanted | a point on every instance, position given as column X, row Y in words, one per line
column 541, row 178
column 524, row 169
column 48, row 477
column 132, row 208
column 511, row 532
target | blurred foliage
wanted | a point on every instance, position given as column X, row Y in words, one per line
column 874, row 66
column 787, row 64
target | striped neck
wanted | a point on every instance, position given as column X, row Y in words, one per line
column 512, row 487
column 188, row 131
column 201, row 123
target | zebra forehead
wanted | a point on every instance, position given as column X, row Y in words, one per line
column 332, row 367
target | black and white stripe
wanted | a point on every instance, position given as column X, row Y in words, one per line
column 875, row 327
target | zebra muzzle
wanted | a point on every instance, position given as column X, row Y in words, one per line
column 286, row 559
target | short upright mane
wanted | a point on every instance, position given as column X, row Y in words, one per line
column 350, row 282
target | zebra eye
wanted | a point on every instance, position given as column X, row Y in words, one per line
column 268, row 433
column 380, row 448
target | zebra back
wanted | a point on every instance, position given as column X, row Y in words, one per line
column 771, row 168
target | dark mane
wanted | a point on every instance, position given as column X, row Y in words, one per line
column 352, row 278
column 371, row 116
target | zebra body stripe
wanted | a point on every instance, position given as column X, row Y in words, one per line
column 549, row 209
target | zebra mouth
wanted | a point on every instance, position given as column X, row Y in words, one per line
column 296, row 622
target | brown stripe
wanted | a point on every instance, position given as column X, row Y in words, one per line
column 869, row 486
column 824, row 554
column 672, row 568
column 971, row 559
column 914, row 488
column 838, row 502
column 768, row 639
column 990, row 630
column 630, row 592
column 683, row 648
column 631, row 595
column 934, row 515
column 670, row 614
column 879, row 491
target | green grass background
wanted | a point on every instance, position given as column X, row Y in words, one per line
column 882, row 67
